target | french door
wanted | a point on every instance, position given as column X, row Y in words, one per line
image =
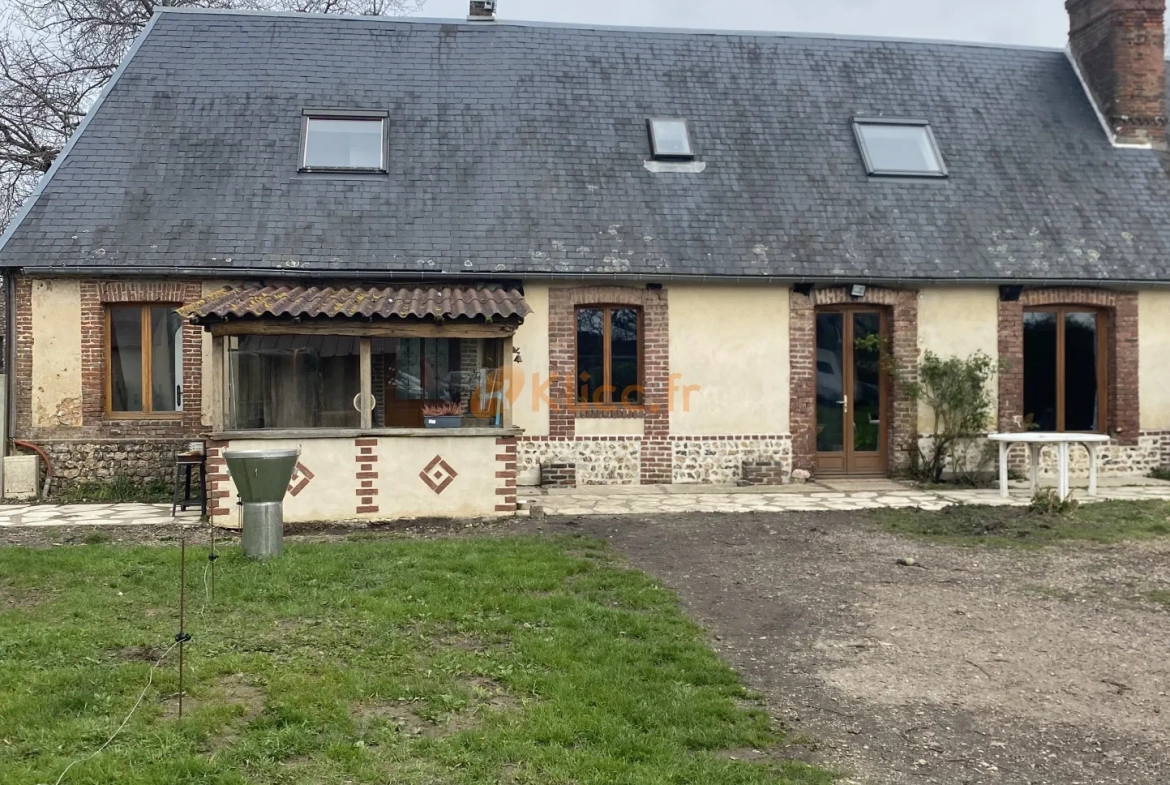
column 852, row 427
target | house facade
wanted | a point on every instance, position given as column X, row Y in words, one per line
column 619, row 256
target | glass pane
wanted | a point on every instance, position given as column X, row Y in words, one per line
column 295, row 381
column 406, row 374
column 1080, row 372
column 590, row 355
column 166, row 369
column 671, row 138
column 126, row 359
column 900, row 148
column 440, row 370
column 830, row 382
column 867, row 387
column 344, row 144
column 410, row 373
column 624, row 354
column 1040, row 369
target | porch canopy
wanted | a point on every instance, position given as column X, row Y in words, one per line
column 296, row 358
column 284, row 307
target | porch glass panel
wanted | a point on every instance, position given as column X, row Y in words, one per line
column 294, row 381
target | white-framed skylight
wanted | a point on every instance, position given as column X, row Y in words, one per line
column 898, row 148
column 670, row 139
column 344, row 142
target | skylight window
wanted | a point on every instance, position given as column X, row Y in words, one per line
column 670, row 139
column 899, row 148
column 345, row 143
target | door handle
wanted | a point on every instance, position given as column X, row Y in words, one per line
column 845, row 402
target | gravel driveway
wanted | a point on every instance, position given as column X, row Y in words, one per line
column 978, row 666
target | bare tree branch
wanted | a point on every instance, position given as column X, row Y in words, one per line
column 56, row 55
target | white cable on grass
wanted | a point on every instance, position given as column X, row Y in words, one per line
column 110, row 740
column 206, row 589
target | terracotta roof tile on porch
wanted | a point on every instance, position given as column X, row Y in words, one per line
column 443, row 302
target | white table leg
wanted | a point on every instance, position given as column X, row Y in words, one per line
column 1092, row 448
column 1034, row 471
column 1062, row 460
column 1003, row 470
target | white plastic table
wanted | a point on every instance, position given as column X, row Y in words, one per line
column 1036, row 440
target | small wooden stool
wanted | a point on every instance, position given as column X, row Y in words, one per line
column 185, row 465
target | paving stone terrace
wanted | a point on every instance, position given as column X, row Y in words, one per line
column 845, row 495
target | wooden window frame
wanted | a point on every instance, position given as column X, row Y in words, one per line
column 147, row 412
column 607, row 358
column 1104, row 327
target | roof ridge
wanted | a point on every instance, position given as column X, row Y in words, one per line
column 728, row 33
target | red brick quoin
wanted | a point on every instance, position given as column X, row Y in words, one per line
column 366, row 476
column 901, row 307
column 1121, row 310
column 657, row 457
column 506, row 474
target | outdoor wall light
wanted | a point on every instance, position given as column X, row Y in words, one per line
column 858, row 291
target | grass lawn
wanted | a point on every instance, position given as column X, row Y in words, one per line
column 1102, row 522
column 423, row 662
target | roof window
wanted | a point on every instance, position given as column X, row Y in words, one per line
column 344, row 143
column 670, row 139
column 899, row 148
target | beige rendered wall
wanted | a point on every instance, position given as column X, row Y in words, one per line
column 732, row 343
column 617, row 426
column 528, row 411
column 1154, row 358
column 331, row 494
column 957, row 322
column 56, row 356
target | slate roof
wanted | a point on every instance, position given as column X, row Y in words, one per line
column 518, row 150
column 444, row 302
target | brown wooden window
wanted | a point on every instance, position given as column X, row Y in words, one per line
column 609, row 355
column 1065, row 368
column 144, row 360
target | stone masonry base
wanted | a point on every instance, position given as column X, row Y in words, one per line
column 105, row 460
column 703, row 460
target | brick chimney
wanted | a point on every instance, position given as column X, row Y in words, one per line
column 482, row 11
column 1119, row 47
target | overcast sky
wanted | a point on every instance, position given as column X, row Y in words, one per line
column 1029, row 22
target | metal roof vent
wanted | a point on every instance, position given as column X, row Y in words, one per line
column 482, row 11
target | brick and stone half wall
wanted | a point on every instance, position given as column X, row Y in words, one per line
column 617, row 460
column 98, row 461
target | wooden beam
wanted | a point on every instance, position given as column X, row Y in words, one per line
column 366, row 330
column 367, row 395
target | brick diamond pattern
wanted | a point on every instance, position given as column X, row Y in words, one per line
column 438, row 475
column 301, row 477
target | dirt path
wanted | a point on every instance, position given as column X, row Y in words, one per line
column 980, row 666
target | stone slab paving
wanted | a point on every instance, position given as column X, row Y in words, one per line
column 832, row 495
column 92, row 515
column 819, row 497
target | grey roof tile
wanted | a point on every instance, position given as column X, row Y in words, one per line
column 519, row 150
